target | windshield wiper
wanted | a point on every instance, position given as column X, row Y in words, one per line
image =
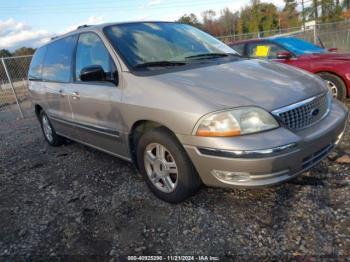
column 207, row 55
column 160, row 64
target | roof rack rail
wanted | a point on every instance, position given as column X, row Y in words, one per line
column 82, row 26
column 54, row 37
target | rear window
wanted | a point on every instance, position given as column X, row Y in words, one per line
column 58, row 60
column 36, row 64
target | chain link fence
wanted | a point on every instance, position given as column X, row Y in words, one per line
column 14, row 95
column 330, row 35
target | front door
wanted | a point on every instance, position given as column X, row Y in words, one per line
column 95, row 105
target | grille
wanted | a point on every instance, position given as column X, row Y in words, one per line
column 304, row 113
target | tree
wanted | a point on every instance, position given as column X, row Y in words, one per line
column 5, row 53
column 24, row 51
column 346, row 14
column 211, row 25
column 289, row 17
column 346, row 4
column 228, row 21
column 258, row 17
column 190, row 19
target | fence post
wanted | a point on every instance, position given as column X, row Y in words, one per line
column 315, row 34
column 13, row 88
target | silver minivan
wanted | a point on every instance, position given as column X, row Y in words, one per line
column 182, row 106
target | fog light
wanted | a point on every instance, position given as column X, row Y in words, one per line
column 229, row 176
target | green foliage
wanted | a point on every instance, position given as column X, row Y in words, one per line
column 289, row 15
column 18, row 52
column 5, row 53
column 24, row 51
column 258, row 17
column 326, row 10
column 190, row 19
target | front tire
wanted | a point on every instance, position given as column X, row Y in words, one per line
column 336, row 85
column 48, row 130
column 166, row 167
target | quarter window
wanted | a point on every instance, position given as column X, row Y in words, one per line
column 57, row 65
column 239, row 48
column 36, row 64
column 92, row 51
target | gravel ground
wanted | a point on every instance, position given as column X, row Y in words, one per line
column 76, row 203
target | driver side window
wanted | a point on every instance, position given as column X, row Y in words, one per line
column 91, row 51
column 264, row 50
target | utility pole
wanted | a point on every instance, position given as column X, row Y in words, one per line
column 303, row 14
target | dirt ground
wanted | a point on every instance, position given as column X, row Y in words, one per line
column 75, row 203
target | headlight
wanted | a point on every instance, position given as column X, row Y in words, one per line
column 235, row 122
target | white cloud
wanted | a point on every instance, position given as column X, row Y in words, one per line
column 14, row 34
column 154, row 2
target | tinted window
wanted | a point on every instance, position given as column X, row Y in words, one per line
column 264, row 50
column 92, row 51
column 36, row 64
column 140, row 43
column 57, row 65
column 239, row 48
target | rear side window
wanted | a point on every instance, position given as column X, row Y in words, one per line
column 92, row 51
column 58, row 60
column 36, row 64
column 266, row 50
column 239, row 48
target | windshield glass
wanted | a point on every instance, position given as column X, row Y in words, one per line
column 140, row 43
column 298, row 46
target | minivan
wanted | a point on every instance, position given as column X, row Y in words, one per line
column 182, row 106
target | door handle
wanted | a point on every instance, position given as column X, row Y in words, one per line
column 75, row 95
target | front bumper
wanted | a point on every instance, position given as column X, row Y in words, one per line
column 265, row 158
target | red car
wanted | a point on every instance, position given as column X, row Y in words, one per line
column 331, row 66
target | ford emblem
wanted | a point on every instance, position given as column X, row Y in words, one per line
column 314, row 112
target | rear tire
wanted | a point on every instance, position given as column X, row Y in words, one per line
column 49, row 131
column 166, row 167
column 336, row 84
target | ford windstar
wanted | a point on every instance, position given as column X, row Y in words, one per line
column 182, row 106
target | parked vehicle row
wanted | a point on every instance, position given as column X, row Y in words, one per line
column 333, row 67
column 182, row 106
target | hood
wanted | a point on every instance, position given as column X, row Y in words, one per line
column 260, row 83
column 328, row 56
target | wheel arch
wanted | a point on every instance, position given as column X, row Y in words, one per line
column 38, row 108
column 336, row 74
column 139, row 128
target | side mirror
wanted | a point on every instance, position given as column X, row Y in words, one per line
column 284, row 55
column 92, row 73
column 333, row 49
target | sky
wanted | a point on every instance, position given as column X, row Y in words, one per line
column 32, row 23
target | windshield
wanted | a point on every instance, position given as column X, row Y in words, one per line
column 145, row 43
column 298, row 46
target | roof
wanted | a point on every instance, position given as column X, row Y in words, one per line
column 98, row 27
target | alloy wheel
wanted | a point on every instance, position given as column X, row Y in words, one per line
column 333, row 88
column 161, row 167
column 47, row 128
